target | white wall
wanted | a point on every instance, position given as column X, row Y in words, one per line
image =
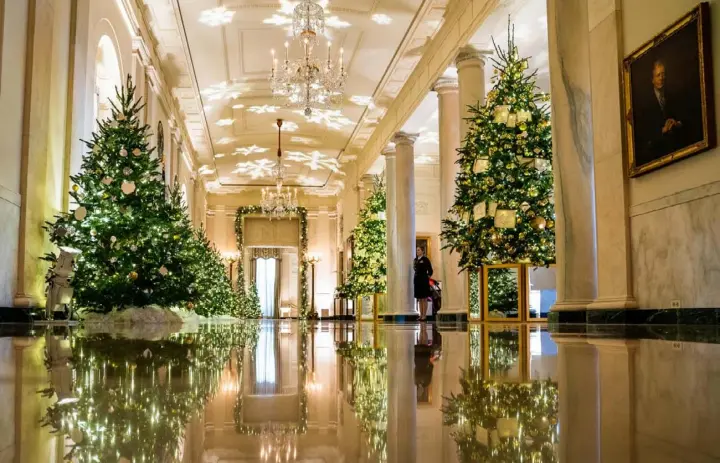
column 675, row 211
column 12, row 84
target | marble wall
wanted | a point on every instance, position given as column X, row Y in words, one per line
column 674, row 211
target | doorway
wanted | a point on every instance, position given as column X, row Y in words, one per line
column 266, row 278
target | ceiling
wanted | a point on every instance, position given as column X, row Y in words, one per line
column 218, row 54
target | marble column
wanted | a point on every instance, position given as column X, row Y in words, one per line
column 402, row 395
column 391, row 224
column 616, row 380
column 578, row 412
column 470, row 63
column 614, row 269
column 402, row 236
column 572, row 154
column 454, row 361
column 453, row 281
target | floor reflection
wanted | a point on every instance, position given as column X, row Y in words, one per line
column 338, row 392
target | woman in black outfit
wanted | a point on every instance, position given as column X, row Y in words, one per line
column 423, row 272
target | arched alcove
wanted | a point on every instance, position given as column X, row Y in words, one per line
column 107, row 77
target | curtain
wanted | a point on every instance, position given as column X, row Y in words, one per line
column 265, row 278
column 265, row 362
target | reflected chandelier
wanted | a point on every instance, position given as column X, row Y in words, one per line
column 308, row 82
column 277, row 203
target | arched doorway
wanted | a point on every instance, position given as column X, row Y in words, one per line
column 107, row 78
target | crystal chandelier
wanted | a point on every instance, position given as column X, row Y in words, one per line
column 308, row 82
column 277, row 202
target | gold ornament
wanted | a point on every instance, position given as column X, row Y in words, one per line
column 137, row 152
column 121, row 117
column 176, row 237
column 190, row 306
column 133, row 275
column 533, row 192
column 538, row 223
column 75, row 188
column 550, row 223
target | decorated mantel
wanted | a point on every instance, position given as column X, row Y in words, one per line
column 503, row 220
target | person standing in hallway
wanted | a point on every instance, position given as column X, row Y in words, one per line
column 423, row 272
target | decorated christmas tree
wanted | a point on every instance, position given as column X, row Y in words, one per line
column 503, row 211
column 369, row 259
column 250, row 303
column 133, row 240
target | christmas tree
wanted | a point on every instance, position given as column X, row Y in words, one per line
column 369, row 260
column 133, row 241
column 212, row 289
column 250, row 303
column 503, row 211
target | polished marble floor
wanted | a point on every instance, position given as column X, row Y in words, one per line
column 346, row 392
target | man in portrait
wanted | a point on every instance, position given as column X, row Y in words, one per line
column 664, row 121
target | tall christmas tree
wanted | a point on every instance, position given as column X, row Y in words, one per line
column 369, row 259
column 503, row 211
column 133, row 241
column 212, row 291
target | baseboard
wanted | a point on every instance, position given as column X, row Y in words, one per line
column 703, row 316
column 17, row 315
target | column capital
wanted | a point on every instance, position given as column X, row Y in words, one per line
column 471, row 56
column 446, row 84
column 405, row 139
column 389, row 151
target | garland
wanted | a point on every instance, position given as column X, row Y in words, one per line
column 242, row 211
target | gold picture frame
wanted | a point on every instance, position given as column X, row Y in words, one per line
column 517, row 331
column 527, row 270
column 485, row 292
column 669, row 122
column 361, row 314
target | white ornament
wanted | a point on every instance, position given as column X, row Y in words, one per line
column 107, row 180
column 525, row 206
column 114, row 124
column 127, row 171
column 481, row 165
column 147, row 353
column 133, row 248
column 113, row 239
column 542, row 165
column 492, row 209
column 96, row 149
column 137, row 152
column 77, row 435
column 505, row 218
column 128, row 187
column 524, row 115
column 123, row 152
column 382, row 215
column 163, row 271
column 502, row 113
column 480, row 210
column 80, row 213
column 113, row 260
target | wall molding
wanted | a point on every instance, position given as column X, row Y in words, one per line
column 10, row 196
column 686, row 196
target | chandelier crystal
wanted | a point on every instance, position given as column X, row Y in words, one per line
column 277, row 203
column 308, row 82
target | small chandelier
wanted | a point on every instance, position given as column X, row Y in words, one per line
column 308, row 82
column 277, row 203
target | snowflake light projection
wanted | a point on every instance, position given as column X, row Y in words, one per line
column 284, row 16
column 332, row 119
column 255, row 169
column 315, row 160
column 247, row 150
column 263, row 109
column 288, row 126
column 222, row 91
column 216, row 16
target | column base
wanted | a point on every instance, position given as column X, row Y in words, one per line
column 451, row 317
column 401, row 317
column 25, row 301
column 613, row 303
column 571, row 306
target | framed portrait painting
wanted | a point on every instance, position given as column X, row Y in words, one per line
column 669, row 104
